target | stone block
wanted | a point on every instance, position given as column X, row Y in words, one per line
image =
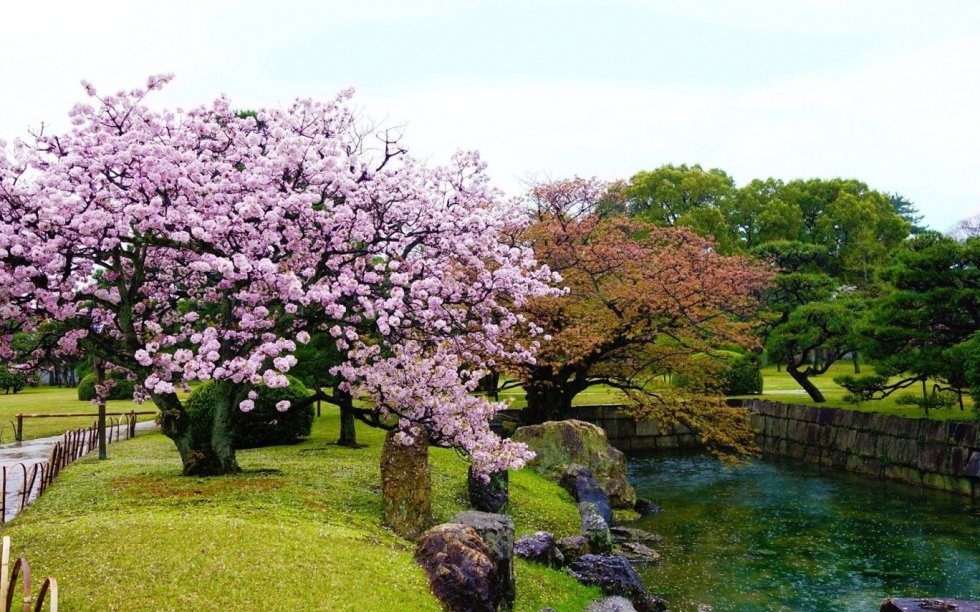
column 667, row 442
column 972, row 467
column 647, row 427
column 961, row 433
column 796, row 412
column 934, row 431
column 902, row 473
column 812, row 455
column 641, row 443
column 898, row 450
column 867, row 444
column 688, row 441
column 932, row 457
column 811, row 435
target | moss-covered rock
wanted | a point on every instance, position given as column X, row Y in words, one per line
column 559, row 444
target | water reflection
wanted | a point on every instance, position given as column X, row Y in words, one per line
column 777, row 536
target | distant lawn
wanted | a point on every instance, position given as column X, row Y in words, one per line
column 299, row 529
column 54, row 400
column 780, row 386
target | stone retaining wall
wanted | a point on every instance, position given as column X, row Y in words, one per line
column 935, row 454
column 629, row 435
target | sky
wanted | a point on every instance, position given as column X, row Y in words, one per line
column 885, row 91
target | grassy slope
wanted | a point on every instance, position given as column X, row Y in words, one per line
column 298, row 529
column 779, row 386
column 54, row 400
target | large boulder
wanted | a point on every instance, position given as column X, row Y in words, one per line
column 539, row 547
column 615, row 576
column 559, row 444
column 406, row 487
column 497, row 530
column 488, row 496
column 459, row 566
column 595, row 529
column 583, row 487
column 611, row 604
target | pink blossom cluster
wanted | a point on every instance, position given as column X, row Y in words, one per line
column 204, row 244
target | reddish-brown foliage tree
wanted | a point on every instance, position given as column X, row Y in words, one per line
column 641, row 303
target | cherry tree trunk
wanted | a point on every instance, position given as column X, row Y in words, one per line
column 204, row 440
column 406, row 487
column 546, row 401
column 348, row 434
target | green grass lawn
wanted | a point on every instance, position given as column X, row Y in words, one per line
column 299, row 529
column 54, row 400
column 780, row 386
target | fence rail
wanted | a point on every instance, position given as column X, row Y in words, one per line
column 35, row 479
column 19, row 425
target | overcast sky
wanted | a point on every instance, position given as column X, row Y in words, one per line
column 886, row 91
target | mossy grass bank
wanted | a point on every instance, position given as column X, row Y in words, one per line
column 298, row 529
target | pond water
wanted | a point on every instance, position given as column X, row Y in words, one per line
column 777, row 536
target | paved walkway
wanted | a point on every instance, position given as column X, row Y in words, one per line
column 30, row 452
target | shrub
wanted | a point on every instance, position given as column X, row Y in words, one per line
column 262, row 426
column 729, row 374
column 122, row 390
column 743, row 377
column 12, row 380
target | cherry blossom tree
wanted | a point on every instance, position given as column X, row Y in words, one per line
column 204, row 244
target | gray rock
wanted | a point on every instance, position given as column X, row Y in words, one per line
column 611, row 604
column 895, row 604
column 497, row 530
column 622, row 534
column 583, row 487
column 573, row 547
column 540, row 548
column 614, row 574
column 639, row 554
column 644, row 507
column 595, row 529
column 459, row 566
column 491, row 496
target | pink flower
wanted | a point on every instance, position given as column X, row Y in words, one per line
column 246, row 405
column 282, row 406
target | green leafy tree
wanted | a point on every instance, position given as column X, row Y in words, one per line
column 920, row 329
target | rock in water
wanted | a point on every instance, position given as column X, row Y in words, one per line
column 573, row 547
column 583, row 487
column 645, row 507
column 540, row 548
column 497, row 530
column 406, row 486
column 595, row 529
column 459, row 566
column 622, row 534
column 489, row 496
column 639, row 554
column 611, row 604
column 895, row 604
column 559, row 444
column 615, row 576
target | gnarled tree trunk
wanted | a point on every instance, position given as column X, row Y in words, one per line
column 204, row 441
column 406, row 486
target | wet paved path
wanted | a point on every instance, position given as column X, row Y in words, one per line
column 30, row 452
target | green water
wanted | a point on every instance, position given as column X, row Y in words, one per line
column 774, row 536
